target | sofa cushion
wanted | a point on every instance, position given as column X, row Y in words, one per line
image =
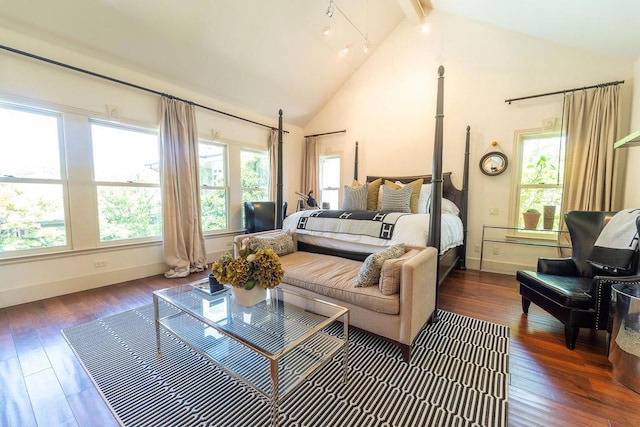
column 369, row 273
column 280, row 242
column 392, row 272
column 334, row 277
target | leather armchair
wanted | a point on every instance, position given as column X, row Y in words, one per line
column 567, row 287
column 261, row 216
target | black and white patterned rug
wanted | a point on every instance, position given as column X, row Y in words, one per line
column 458, row 376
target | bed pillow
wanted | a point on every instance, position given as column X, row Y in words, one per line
column 355, row 198
column 280, row 242
column 372, row 193
column 390, row 273
column 424, row 198
column 396, row 200
column 447, row 206
column 369, row 274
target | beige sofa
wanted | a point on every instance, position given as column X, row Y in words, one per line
column 397, row 317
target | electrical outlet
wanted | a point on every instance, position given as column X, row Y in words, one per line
column 476, row 247
column 495, row 250
column 494, row 211
column 100, row 263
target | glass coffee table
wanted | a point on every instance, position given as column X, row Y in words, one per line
column 272, row 346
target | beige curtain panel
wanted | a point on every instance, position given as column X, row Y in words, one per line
column 591, row 118
column 310, row 173
column 183, row 239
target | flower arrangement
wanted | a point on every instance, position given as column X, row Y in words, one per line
column 249, row 268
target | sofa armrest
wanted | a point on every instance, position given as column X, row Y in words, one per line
column 557, row 266
column 417, row 293
column 237, row 240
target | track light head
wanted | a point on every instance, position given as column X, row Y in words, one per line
column 330, row 9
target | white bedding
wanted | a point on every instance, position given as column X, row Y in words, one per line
column 410, row 229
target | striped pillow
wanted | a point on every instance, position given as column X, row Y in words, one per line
column 355, row 198
column 396, row 200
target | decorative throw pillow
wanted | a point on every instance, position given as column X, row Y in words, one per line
column 355, row 198
column 396, row 200
column 390, row 273
column 415, row 193
column 369, row 273
column 280, row 242
column 372, row 193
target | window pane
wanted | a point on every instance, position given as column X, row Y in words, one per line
column 543, row 161
column 254, row 169
column 129, row 212
column 31, row 216
column 331, row 197
column 214, row 209
column 212, row 162
column 330, row 172
column 124, row 155
column 254, row 195
column 29, row 143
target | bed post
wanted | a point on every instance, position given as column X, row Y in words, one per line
column 462, row 250
column 279, row 175
column 436, row 187
column 355, row 164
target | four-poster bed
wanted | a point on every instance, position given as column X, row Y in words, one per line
column 350, row 257
column 444, row 229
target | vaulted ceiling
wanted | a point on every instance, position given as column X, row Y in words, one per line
column 265, row 55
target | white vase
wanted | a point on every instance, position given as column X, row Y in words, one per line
column 248, row 297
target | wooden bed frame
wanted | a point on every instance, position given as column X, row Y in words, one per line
column 441, row 187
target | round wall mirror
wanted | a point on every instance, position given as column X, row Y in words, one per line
column 493, row 163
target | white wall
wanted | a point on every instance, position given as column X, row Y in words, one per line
column 37, row 83
column 389, row 107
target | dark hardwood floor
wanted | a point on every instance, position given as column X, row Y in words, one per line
column 42, row 383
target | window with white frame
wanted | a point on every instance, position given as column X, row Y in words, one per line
column 213, row 185
column 254, row 175
column 540, row 172
column 33, row 190
column 127, row 178
column 330, row 181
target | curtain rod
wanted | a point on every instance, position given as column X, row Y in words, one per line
column 326, row 133
column 122, row 82
column 565, row 91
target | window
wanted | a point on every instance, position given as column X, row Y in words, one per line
column 213, row 185
column 254, row 170
column 330, row 181
column 32, row 180
column 127, row 178
column 540, row 176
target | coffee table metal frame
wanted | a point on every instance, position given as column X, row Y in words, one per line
column 284, row 331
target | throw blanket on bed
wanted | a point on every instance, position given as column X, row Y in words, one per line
column 368, row 223
column 617, row 244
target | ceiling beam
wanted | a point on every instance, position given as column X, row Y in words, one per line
column 413, row 10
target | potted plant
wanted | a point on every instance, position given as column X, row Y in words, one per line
column 250, row 272
column 531, row 218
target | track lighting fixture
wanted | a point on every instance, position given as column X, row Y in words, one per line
column 330, row 9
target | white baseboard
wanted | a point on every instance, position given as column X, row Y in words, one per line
column 36, row 292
